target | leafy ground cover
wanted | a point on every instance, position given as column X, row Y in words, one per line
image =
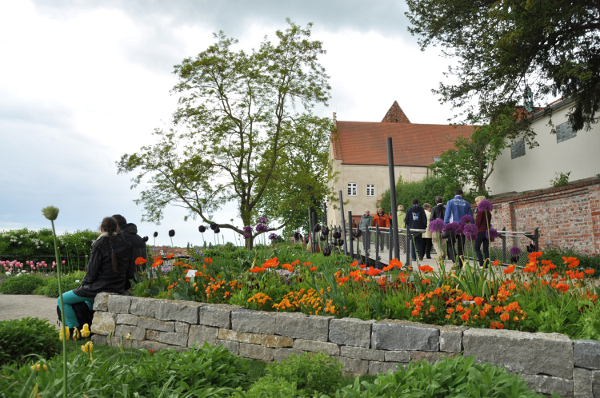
column 206, row 371
column 542, row 297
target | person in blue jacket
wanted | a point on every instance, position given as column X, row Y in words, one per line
column 455, row 210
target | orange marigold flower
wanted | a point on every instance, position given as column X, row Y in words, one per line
column 504, row 316
column 415, row 313
column 437, row 291
column 465, row 317
column 478, row 300
column 407, row 304
column 516, row 319
column 140, row 261
column 510, row 269
column 450, row 310
column 459, row 308
column 425, row 268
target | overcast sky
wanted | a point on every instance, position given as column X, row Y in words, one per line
column 82, row 83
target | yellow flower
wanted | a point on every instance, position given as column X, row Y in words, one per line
column 128, row 337
column 66, row 331
column 85, row 331
column 76, row 334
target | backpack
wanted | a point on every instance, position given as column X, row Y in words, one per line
column 82, row 311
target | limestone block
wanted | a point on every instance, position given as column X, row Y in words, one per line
column 173, row 338
column 182, row 311
column 256, row 352
column 101, row 302
column 156, row 346
column 404, row 336
column 272, row 341
column 201, row 334
column 152, row 335
column 121, row 331
column 376, row 367
column 232, row 335
column 182, row 327
column 218, row 315
column 300, row 326
column 103, row 323
column 362, row 353
column 119, row 304
column 582, row 383
column 280, row 354
column 587, row 353
column 548, row 384
column 431, row 357
column 143, row 306
column 397, row 356
column 451, row 338
column 250, row 321
column 520, row 352
column 350, row 332
column 127, row 319
column 330, row 349
column 232, row 346
column 99, row 339
column 354, row 366
column 155, row 324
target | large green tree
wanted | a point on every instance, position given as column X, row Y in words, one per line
column 242, row 132
column 503, row 47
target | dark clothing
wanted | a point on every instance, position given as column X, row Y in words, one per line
column 418, row 243
column 481, row 239
column 416, row 218
column 427, row 245
column 100, row 276
column 439, row 211
column 456, row 248
column 138, row 249
column 481, row 222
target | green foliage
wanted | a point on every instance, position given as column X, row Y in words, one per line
column 455, row 377
column 555, row 254
column 243, row 131
column 22, row 284
column 69, row 282
column 560, row 180
column 425, row 190
column 203, row 372
column 551, row 45
column 27, row 338
column 273, row 387
column 314, row 373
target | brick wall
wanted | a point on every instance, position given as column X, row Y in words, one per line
column 566, row 217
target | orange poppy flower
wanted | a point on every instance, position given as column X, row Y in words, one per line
column 306, row 264
column 563, row 287
column 373, row 271
column 354, row 264
column 271, row 263
column 157, row 263
column 208, row 260
column 425, row 268
column 170, row 256
column 589, row 271
column 313, row 269
column 496, row 262
column 395, row 263
column 510, row 269
column 140, row 261
column 425, row 281
column 256, row 269
column 363, row 266
column 295, row 262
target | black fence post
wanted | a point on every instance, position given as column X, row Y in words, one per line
column 394, row 226
column 503, row 237
column 408, row 245
column 343, row 223
column 350, row 236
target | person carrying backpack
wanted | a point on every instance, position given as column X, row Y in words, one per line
column 416, row 219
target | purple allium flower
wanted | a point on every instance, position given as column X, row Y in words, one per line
column 213, row 226
column 325, row 231
column 155, row 234
column 453, row 226
column 470, row 231
column 357, row 233
column 247, row 229
column 491, row 234
column 316, row 228
column 460, row 229
column 172, row 233
column 261, row 228
column 247, row 235
column 466, row 219
column 323, row 237
column 273, row 236
column 515, row 251
column 327, row 251
column 436, row 225
column 217, row 230
column 263, row 220
column 202, row 228
column 485, row 205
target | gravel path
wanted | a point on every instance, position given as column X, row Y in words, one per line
column 21, row 306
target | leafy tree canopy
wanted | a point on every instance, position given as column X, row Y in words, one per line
column 244, row 132
column 502, row 47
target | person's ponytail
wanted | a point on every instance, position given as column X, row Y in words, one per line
column 109, row 225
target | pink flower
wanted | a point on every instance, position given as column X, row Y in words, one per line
column 63, row 262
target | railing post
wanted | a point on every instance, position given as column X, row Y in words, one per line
column 350, row 236
column 310, row 232
column 377, row 237
column 503, row 237
column 408, row 245
column 343, row 222
column 394, row 226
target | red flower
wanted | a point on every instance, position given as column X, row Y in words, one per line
column 170, row 256
column 373, row 271
column 313, row 268
column 425, row 268
column 140, row 261
column 510, row 269
column 354, row 264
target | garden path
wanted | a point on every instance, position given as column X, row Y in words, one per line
column 21, row 306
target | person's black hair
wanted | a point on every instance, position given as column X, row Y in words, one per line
column 438, row 199
column 109, row 225
column 120, row 220
column 415, row 201
column 458, row 192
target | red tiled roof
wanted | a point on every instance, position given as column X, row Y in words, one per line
column 414, row 144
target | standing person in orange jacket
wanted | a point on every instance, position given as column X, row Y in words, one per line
column 383, row 221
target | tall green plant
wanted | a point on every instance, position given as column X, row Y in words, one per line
column 51, row 213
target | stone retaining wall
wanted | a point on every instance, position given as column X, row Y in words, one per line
column 548, row 362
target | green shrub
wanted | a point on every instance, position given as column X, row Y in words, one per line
column 69, row 282
column 20, row 338
column 314, row 373
column 21, row 284
column 274, row 387
column 555, row 254
column 455, row 377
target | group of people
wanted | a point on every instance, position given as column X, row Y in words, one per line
column 111, row 266
column 449, row 245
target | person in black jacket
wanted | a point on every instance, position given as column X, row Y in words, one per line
column 416, row 219
column 439, row 211
column 107, row 270
column 138, row 246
